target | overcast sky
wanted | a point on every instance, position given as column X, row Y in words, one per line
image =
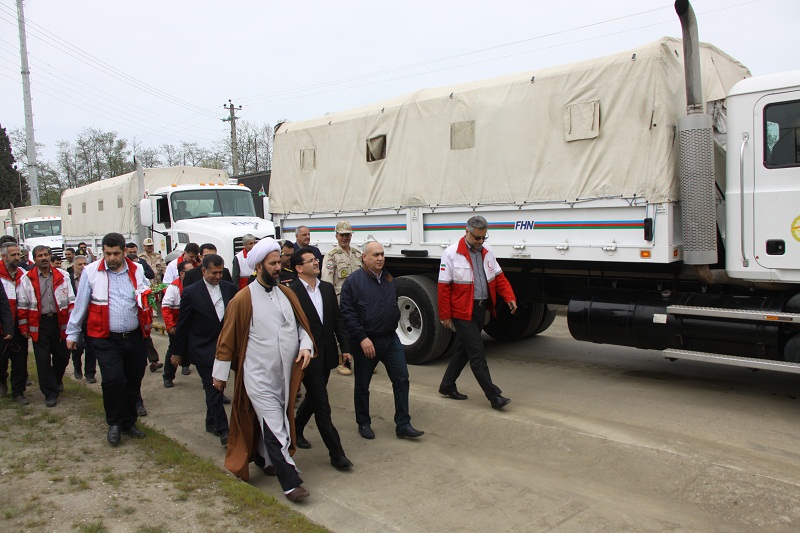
column 160, row 71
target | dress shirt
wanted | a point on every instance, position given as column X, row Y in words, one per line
column 216, row 298
column 479, row 275
column 47, row 303
column 315, row 295
column 123, row 311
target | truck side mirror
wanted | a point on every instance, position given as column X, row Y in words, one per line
column 146, row 212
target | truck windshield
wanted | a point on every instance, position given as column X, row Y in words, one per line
column 212, row 203
column 42, row 228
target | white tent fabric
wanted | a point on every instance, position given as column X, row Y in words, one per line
column 113, row 204
column 598, row 128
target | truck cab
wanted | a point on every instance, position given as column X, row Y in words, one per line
column 216, row 213
column 35, row 231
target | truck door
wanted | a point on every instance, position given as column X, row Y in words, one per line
column 776, row 187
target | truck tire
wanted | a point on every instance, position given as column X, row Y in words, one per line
column 508, row 327
column 547, row 321
column 452, row 346
column 423, row 336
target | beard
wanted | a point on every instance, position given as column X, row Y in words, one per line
column 267, row 278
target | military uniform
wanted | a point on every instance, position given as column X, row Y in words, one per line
column 157, row 263
column 338, row 265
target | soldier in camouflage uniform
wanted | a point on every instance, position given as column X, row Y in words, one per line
column 339, row 263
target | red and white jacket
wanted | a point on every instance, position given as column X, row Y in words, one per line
column 456, row 290
column 97, row 321
column 29, row 296
column 10, row 285
column 171, row 303
column 243, row 271
column 171, row 273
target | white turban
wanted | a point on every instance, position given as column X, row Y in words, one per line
column 262, row 249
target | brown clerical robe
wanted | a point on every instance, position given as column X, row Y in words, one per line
column 245, row 427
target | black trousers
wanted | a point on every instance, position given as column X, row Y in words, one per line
column 122, row 362
column 169, row 370
column 471, row 349
column 215, row 409
column 15, row 352
column 52, row 356
column 91, row 361
column 286, row 472
column 316, row 403
column 152, row 353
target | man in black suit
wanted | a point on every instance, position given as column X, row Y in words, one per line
column 318, row 300
column 199, row 323
column 196, row 274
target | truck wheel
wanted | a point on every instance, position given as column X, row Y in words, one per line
column 547, row 321
column 422, row 335
column 452, row 346
column 508, row 327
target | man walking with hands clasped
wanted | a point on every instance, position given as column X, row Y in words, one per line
column 469, row 281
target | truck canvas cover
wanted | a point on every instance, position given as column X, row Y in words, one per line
column 594, row 129
column 113, row 204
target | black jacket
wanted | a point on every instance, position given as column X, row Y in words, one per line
column 332, row 328
column 369, row 308
column 196, row 274
column 6, row 319
column 198, row 325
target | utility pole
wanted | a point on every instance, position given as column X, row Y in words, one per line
column 234, row 148
column 33, row 181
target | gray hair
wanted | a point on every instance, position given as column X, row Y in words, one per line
column 247, row 238
column 298, row 228
column 477, row 222
column 6, row 245
column 79, row 257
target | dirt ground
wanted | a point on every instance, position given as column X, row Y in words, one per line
column 58, row 473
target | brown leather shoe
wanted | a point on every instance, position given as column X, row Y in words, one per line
column 155, row 366
column 270, row 470
column 297, row 494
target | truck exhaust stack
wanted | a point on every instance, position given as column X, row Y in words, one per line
column 696, row 154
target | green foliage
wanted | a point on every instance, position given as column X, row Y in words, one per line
column 11, row 183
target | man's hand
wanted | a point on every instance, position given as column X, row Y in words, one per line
column 219, row 385
column 305, row 357
column 448, row 323
column 72, row 346
column 175, row 360
column 171, row 330
column 513, row 306
column 8, row 337
column 27, row 335
column 347, row 357
column 368, row 348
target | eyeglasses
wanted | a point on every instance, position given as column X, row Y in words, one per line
column 479, row 238
column 315, row 260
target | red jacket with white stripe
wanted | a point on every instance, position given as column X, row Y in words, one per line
column 171, row 303
column 29, row 297
column 240, row 270
column 456, row 290
column 10, row 285
column 97, row 322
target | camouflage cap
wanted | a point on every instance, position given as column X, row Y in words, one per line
column 344, row 227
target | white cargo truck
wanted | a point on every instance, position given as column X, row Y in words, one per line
column 35, row 225
column 179, row 205
column 654, row 193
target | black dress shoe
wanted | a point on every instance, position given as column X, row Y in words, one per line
column 134, row 432
column 168, row 384
column 113, row 435
column 51, row 402
column 225, row 400
column 365, row 431
column 454, row 394
column 409, row 432
column 78, row 375
column 90, row 379
column 211, row 429
column 499, row 402
column 341, row 463
column 21, row 399
column 60, row 387
column 269, row 470
column 302, row 442
column 186, row 370
column 140, row 410
column 223, row 439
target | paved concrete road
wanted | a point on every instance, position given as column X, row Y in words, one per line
column 597, row 438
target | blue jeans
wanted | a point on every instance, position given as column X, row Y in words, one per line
column 389, row 351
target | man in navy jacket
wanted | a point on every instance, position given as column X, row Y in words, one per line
column 369, row 308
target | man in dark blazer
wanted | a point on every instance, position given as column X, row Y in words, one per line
column 318, row 300
column 199, row 323
column 196, row 274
